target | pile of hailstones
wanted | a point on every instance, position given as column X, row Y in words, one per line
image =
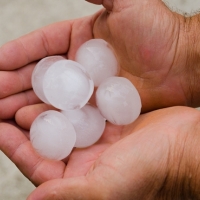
column 68, row 85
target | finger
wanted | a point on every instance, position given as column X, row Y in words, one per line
column 26, row 115
column 50, row 40
column 73, row 188
column 19, row 149
column 15, row 81
column 13, row 123
column 10, row 105
column 108, row 4
column 98, row 2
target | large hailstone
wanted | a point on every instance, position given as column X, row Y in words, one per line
column 67, row 86
column 118, row 101
column 98, row 59
column 38, row 75
column 52, row 135
column 88, row 123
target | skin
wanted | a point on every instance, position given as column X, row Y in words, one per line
column 149, row 159
column 156, row 157
column 151, row 53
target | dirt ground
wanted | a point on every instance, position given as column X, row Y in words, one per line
column 20, row 17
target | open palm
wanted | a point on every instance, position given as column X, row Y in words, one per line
column 124, row 160
column 129, row 162
column 149, row 41
column 40, row 170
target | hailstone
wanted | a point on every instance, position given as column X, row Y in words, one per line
column 38, row 75
column 67, row 86
column 98, row 59
column 88, row 123
column 118, row 100
column 52, row 135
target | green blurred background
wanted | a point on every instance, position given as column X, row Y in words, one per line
column 20, row 17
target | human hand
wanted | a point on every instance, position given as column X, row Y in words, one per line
column 156, row 157
column 157, row 49
column 19, row 57
column 148, row 39
column 156, row 65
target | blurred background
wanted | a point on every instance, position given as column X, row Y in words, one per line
column 20, row 17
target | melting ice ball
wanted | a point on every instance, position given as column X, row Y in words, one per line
column 38, row 75
column 52, row 135
column 67, row 86
column 98, row 59
column 118, row 100
column 88, row 123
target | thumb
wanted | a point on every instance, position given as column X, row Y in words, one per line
column 72, row 188
column 108, row 4
column 111, row 5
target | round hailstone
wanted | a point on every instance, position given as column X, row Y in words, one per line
column 52, row 135
column 67, row 86
column 118, row 100
column 98, row 59
column 88, row 123
column 38, row 75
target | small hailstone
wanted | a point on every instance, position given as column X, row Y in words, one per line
column 88, row 123
column 67, row 86
column 38, row 75
column 98, row 59
column 118, row 100
column 52, row 135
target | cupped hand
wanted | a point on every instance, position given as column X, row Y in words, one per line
column 151, row 44
column 128, row 162
column 149, row 159
column 145, row 35
column 19, row 57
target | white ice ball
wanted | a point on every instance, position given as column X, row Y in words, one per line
column 52, row 135
column 67, row 86
column 98, row 59
column 88, row 123
column 38, row 75
column 118, row 100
